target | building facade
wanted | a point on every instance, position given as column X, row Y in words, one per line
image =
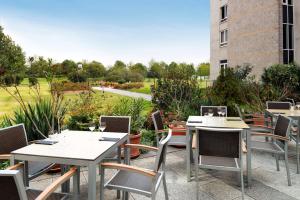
column 256, row 32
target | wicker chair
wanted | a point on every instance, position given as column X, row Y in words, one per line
column 159, row 127
column 278, row 145
column 139, row 180
column 12, row 185
column 205, row 109
column 13, row 138
column 219, row 149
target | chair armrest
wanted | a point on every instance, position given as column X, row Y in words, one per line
column 278, row 137
column 266, row 127
column 140, row 146
column 51, row 188
column 162, row 131
column 129, row 168
column 5, row 156
column 15, row 167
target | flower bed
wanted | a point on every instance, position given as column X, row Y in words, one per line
column 124, row 86
column 69, row 86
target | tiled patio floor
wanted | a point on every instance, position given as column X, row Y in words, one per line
column 268, row 184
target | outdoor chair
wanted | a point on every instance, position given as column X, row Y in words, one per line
column 116, row 124
column 278, row 105
column 219, row 149
column 13, row 138
column 250, row 120
column 139, row 180
column 12, row 185
column 204, row 110
column 278, row 146
column 159, row 127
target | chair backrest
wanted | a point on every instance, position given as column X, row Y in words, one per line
column 162, row 152
column 157, row 121
column 282, row 127
column 116, row 124
column 205, row 109
column 278, row 105
column 11, row 185
column 220, row 142
column 239, row 111
column 12, row 138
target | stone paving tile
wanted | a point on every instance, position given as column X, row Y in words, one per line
column 268, row 184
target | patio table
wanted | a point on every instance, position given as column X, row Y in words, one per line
column 79, row 148
column 294, row 114
column 214, row 122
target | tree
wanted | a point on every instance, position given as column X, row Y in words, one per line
column 139, row 68
column 156, row 69
column 68, row 66
column 39, row 66
column 94, row 69
column 12, row 60
column 203, row 69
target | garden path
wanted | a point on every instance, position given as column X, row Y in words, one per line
column 146, row 97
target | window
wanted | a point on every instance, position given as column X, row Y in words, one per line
column 223, row 13
column 223, row 64
column 288, row 31
column 223, row 38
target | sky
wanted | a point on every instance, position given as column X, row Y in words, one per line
column 110, row 30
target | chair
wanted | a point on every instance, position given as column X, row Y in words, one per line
column 250, row 118
column 160, row 129
column 205, row 109
column 13, row 138
column 12, row 185
column 139, row 180
column 219, row 149
column 278, row 105
column 278, row 145
column 116, row 124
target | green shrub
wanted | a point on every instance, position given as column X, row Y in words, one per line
column 148, row 138
column 77, row 76
column 69, row 86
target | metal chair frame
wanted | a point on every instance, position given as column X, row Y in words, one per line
column 238, row 161
column 158, row 173
column 27, row 176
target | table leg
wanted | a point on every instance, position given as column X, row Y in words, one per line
column 297, row 146
column 248, row 134
column 92, row 181
column 76, row 184
column 65, row 187
column 127, row 161
column 188, row 154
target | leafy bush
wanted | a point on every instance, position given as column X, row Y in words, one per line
column 77, row 76
column 69, row 86
column 133, row 108
column 134, row 77
column 10, row 80
column 148, row 138
column 178, row 91
column 124, row 86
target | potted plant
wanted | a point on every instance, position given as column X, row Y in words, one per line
column 133, row 108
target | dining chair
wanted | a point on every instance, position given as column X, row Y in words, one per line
column 278, row 146
column 205, row 109
column 159, row 127
column 13, row 138
column 139, row 180
column 12, row 185
column 219, row 149
column 281, row 105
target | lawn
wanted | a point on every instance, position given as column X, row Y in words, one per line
column 8, row 104
column 147, row 86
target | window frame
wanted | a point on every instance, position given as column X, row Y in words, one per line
column 225, row 13
column 288, row 32
column 224, row 33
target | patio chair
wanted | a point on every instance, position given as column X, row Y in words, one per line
column 159, row 127
column 139, row 180
column 278, row 146
column 13, row 138
column 12, row 185
column 205, row 109
column 280, row 105
column 250, row 119
column 219, row 149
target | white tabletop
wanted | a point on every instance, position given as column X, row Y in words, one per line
column 287, row 113
column 80, row 145
column 217, row 122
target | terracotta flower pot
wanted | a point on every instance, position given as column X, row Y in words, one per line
column 178, row 133
column 135, row 139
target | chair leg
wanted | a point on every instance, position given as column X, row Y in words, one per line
column 157, row 139
column 287, row 169
column 119, row 161
column 165, row 188
column 277, row 162
column 242, row 184
column 297, row 152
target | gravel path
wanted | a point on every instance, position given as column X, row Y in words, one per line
column 147, row 97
